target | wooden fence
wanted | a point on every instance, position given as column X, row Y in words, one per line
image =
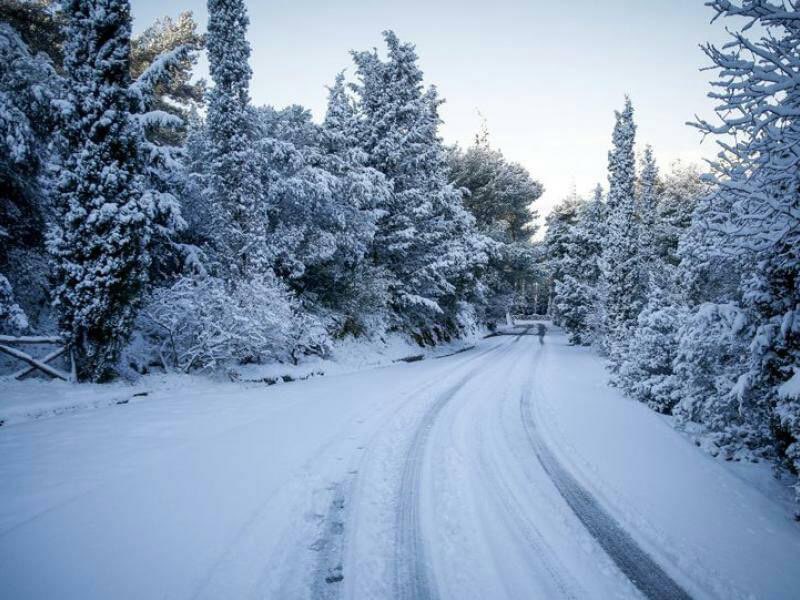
column 7, row 343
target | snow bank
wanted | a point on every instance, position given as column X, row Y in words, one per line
column 36, row 398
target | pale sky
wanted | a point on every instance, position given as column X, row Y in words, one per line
column 547, row 76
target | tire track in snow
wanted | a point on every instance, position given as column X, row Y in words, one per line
column 414, row 579
column 504, row 493
column 637, row 565
column 332, row 545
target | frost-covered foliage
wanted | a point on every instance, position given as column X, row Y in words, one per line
column 647, row 373
column 107, row 215
column 351, row 226
column 500, row 194
column 206, row 324
column 235, row 191
column 584, row 321
column 167, row 49
column 711, row 353
column 757, row 181
column 29, row 84
column 426, row 239
column 647, row 200
column 574, row 301
column 558, row 242
column 622, row 261
column 681, row 187
column 13, row 319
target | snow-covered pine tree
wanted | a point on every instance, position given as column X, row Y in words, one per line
column 574, row 301
column 500, row 195
column 758, row 108
column 426, row 240
column 169, row 49
column 106, row 217
column 648, row 195
column 646, row 373
column 682, row 188
column 622, row 273
column 323, row 206
column 235, row 191
column 577, row 297
column 29, row 83
column 558, row 242
column 349, row 282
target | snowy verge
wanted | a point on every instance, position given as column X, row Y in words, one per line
column 30, row 399
column 726, row 525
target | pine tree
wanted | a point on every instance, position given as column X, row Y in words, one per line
column 344, row 281
column 426, row 240
column 557, row 244
column 682, row 189
column 574, row 242
column 740, row 348
column 621, row 276
column 235, row 190
column 574, row 301
column 29, row 85
column 646, row 373
column 647, row 209
column 500, row 195
column 107, row 218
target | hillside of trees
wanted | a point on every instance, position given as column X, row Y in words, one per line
column 158, row 222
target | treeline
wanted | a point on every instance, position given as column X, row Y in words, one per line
column 690, row 284
column 154, row 222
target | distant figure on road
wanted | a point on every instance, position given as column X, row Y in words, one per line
column 541, row 330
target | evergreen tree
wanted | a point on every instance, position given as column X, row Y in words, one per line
column 170, row 47
column 682, row 189
column 622, row 274
column 647, row 209
column 349, row 282
column 235, row 190
column 13, row 319
column 323, row 206
column 107, row 217
column 577, row 297
column 574, row 242
column 29, row 85
column 557, row 244
column 500, row 195
column 646, row 373
column 758, row 177
column 426, row 240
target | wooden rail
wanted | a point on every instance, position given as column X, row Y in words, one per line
column 41, row 364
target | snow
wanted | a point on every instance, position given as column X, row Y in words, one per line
column 37, row 398
column 727, row 525
column 791, row 389
column 212, row 489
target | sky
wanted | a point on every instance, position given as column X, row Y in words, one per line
column 546, row 75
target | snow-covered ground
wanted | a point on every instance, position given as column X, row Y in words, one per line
column 501, row 472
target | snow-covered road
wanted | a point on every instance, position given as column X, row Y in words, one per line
column 509, row 471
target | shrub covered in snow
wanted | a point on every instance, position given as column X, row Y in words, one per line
column 712, row 355
column 647, row 373
column 206, row 324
